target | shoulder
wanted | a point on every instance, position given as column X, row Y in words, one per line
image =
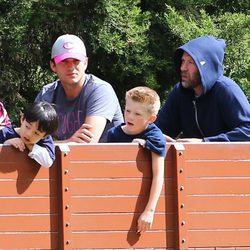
column 94, row 82
column 115, row 133
column 47, row 92
column 178, row 94
column 155, row 140
column 227, row 87
column 154, row 133
column 9, row 129
column 115, row 129
column 8, row 132
column 226, row 83
column 90, row 78
column 100, row 92
column 51, row 86
column 46, row 141
column 152, row 128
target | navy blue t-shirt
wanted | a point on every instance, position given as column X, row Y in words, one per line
column 155, row 140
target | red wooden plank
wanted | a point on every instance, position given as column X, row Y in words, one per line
column 218, row 203
column 28, row 188
column 220, row 238
column 111, row 169
column 219, row 221
column 122, row 239
column 218, row 168
column 107, row 152
column 17, row 165
column 123, row 222
column 29, row 205
column 29, row 241
column 29, row 223
column 115, row 204
column 110, row 187
column 208, row 186
column 17, row 171
column 217, row 151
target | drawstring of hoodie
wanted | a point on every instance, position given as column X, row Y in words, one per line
column 196, row 118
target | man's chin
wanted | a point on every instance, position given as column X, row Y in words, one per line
column 185, row 84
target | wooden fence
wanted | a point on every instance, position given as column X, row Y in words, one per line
column 93, row 194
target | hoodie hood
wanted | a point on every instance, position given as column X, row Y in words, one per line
column 208, row 54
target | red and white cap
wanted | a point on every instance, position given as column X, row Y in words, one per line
column 68, row 46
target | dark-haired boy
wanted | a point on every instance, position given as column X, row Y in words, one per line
column 38, row 122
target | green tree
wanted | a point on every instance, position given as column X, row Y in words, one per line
column 234, row 28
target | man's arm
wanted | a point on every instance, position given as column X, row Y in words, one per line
column 98, row 124
column 89, row 132
column 235, row 111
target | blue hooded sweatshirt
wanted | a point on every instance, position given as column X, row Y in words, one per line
column 221, row 113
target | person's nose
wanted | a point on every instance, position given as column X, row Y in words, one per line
column 70, row 64
column 130, row 116
column 183, row 66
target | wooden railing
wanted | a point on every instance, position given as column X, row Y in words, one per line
column 93, row 194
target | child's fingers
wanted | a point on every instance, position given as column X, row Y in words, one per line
column 21, row 147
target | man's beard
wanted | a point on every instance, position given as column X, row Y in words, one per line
column 193, row 83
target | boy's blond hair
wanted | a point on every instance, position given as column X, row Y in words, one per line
column 146, row 96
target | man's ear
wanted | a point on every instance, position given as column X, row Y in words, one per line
column 86, row 62
column 152, row 118
column 52, row 65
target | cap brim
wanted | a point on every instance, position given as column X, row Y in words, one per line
column 78, row 56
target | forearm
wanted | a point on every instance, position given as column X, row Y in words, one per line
column 157, row 182
column 146, row 218
column 241, row 133
column 89, row 132
column 154, row 195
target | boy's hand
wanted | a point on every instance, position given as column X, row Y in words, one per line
column 142, row 142
column 16, row 143
column 145, row 221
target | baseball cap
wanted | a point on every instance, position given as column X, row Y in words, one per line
column 68, row 46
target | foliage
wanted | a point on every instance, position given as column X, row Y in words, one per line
column 235, row 30
column 233, row 27
column 120, row 40
column 129, row 42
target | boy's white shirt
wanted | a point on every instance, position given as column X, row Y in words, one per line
column 41, row 155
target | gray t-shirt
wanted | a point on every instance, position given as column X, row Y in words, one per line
column 97, row 98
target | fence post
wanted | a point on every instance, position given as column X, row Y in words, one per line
column 65, row 239
column 180, row 198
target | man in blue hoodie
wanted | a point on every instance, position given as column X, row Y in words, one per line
column 205, row 105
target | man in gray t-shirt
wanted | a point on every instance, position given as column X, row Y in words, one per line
column 86, row 105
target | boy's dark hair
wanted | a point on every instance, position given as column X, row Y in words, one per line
column 45, row 114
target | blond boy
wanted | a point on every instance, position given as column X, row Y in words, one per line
column 141, row 109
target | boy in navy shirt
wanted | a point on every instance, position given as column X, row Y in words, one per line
column 142, row 106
